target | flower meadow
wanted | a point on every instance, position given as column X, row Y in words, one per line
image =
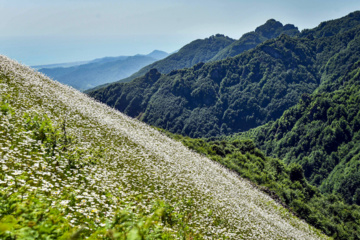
column 72, row 168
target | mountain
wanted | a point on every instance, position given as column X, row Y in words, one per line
column 158, row 55
column 222, row 97
column 239, row 93
column 101, row 71
column 216, row 47
column 200, row 50
column 110, row 59
column 73, row 168
column 271, row 29
column 303, row 94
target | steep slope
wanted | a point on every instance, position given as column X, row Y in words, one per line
column 85, row 162
column 200, row 50
column 238, row 93
column 101, row 71
column 271, row 29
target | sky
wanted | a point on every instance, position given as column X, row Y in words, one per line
column 38, row 32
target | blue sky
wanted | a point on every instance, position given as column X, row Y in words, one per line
column 53, row 31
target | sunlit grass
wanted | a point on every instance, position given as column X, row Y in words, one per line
column 90, row 170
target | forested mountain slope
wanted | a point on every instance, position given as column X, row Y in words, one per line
column 322, row 134
column 237, row 93
column 321, row 131
column 74, row 168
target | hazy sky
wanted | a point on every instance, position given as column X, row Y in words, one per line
column 54, row 31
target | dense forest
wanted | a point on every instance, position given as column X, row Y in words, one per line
column 322, row 134
column 314, row 149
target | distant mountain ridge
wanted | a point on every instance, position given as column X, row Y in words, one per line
column 216, row 47
column 271, row 29
column 157, row 54
column 102, row 70
column 200, row 50
column 55, row 65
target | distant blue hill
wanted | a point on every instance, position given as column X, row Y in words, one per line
column 58, row 65
column 89, row 74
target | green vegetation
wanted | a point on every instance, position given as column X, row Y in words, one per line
column 284, row 183
column 322, row 134
column 29, row 213
column 34, row 217
column 331, row 28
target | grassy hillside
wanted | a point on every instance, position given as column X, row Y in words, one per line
column 74, row 168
